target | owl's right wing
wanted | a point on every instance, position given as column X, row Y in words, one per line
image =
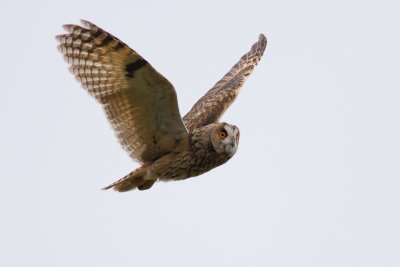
column 139, row 102
column 216, row 101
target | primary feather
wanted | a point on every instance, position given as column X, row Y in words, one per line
column 216, row 101
column 139, row 102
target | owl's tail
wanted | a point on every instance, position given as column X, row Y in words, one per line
column 133, row 180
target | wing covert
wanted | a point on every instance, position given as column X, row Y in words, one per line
column 139, row 102
column 214, row 103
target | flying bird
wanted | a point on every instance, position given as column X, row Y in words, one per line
column 142, row 107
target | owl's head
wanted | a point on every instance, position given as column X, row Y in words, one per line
column 225, row 138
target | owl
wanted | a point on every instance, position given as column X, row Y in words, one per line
column 142, row 107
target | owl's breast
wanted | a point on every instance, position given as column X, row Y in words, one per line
column 178, row 166
column 198, row 157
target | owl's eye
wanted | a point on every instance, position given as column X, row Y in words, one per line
column 222, row 134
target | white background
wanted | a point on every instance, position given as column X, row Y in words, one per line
column 315, row 181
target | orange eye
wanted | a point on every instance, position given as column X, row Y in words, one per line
column 222, row 134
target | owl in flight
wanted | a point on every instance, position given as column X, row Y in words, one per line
column 142, row 107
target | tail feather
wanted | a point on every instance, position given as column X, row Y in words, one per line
column 133, row 180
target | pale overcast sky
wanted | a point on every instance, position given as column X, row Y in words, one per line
column 316, row 178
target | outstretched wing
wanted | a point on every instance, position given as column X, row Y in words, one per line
column 139, row 102
column 213, row 104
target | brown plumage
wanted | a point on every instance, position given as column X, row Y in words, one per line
column 142, row 107
column 213, row 104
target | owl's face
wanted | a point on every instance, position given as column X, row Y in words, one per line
column 225, row 138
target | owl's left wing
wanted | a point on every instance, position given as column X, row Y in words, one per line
column 214, row 103
column 139, row 102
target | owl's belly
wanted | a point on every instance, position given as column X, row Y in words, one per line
column 178, row 166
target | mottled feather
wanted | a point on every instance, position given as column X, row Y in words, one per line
column 139, row 102
column 214, row 103
column 143, row 109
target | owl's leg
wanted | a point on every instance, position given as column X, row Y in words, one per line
column 147, row 185
column 133, row 180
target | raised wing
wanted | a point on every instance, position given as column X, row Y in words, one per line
column 213, row 104
column 139, row 102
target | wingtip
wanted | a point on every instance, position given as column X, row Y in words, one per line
column 67, row 27
column 89, row 24
column 85, row 22
column 58, row 37
column 262, row 38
